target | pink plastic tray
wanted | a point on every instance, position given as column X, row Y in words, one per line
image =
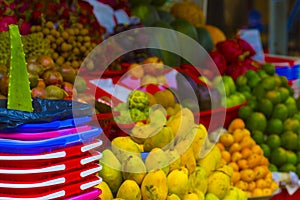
column 44, row 135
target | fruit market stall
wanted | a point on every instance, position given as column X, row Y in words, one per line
column 150, row 102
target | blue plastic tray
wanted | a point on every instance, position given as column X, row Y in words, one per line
column 42, row 146
column 55, row 125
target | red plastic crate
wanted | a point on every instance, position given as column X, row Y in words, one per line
column 47, row 159
column 36, row 174
column 231, row 113
column 32, row 186
column 60, row 193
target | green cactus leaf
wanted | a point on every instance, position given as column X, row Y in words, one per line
column 19, row 94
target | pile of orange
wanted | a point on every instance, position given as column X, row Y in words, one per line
column 250, row 166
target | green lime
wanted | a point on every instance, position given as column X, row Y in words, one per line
column 273, row 96
column 269, row 68
column 273, row 141
column 258, row 136
column 274, row 126
column 291, row 90
column 245, row 111
column 240, row 81
column 265, row 106
column 291, row 124
column 247, row 94
column 256, row 121
column 288, row 167
column 254, row 80
column 229, row 102
column 298, row 155
column 284, row 93
column 284, row 80
column 241, row 97
column 291, row 106
column 292, row 157
column 289, row 140
column 280, row 111
column 252, row 102
column 298, row 146
column 237, row 99
column 259, row 91
column 278, row 80
column 298, row 169
column 244, row 88
column 297, row 116
column 298, row 102
column 278, row 156
column 272, row 168
column 228, row 80
column 262, row 73
column 290, row 100
column 266, row 149
column 268, row 83
column 249, row 74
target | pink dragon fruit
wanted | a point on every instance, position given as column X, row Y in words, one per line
column 219, row 60
column 5, row 21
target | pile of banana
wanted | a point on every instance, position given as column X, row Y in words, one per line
column 166, row 159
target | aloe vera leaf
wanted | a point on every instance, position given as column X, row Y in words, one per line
column 19, row 94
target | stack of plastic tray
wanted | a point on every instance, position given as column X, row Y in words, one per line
column 55, row 160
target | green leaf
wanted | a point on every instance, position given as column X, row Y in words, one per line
column 19, row 94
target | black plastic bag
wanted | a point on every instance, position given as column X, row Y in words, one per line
column 45, row 110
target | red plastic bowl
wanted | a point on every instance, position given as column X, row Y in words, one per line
column 231, row 113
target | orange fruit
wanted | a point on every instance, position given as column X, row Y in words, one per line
column 251, row 186
column 256, row 149
column 236, row 177
column 234, row 147
column 257, row 192
column 221, row 146
column 236, row 156
column 269, row 175
column 226, row 156
column 243, row 185
column 259, row 172
column 247, row 175
column 246, row 132
column 237, row 123
column 269, row 181
column 226, row 139
column 222, row 161
column 274, row 186
column 261, row 183
column 249, row 194
column 234, row 166
column 238, row 135
column 264, row 161
column 247, row 142
column 243, row 164
column 267, row 191
column 254, row 160
column 216, row 34
column 246, row 152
